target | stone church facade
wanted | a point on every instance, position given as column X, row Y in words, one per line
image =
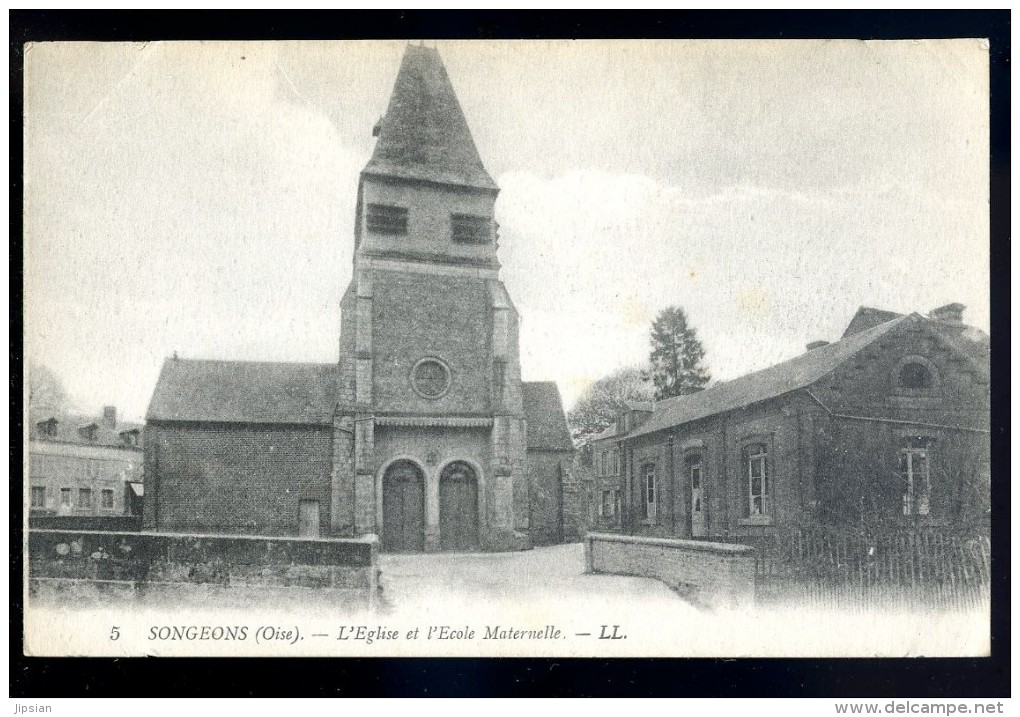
column 423, row 432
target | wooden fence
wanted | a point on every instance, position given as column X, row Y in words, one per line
column 875, row 568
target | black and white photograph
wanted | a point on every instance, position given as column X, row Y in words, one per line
column 507, row 348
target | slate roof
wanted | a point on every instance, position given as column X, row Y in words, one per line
column 798, row 372
column 244, row 392
column 424, row 134
column 867, row 318
column 543, row 409
column 67, row 425
column 607, row 432
column 970, row 339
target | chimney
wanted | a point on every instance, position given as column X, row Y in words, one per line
column 110, row 416
column 816, row 345
column 950, row 313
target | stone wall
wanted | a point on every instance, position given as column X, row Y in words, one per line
column 546, row 469
column 707, row 574
column 85, row 564
column 416, row 316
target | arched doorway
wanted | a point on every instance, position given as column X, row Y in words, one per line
column 458, row 507
column 403, row 528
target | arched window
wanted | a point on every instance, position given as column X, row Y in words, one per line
column 915, row 376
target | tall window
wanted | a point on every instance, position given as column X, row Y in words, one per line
column 915, row 473
column 38, row 496
column 608, row 507
column 386, row 219
column 693, row 462
column 756, row 469
column 84, row 497
column 649, row 491
column 615, row 464
column 106, row 498
column 65, row 497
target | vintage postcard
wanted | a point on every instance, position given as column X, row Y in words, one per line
column 508, row 348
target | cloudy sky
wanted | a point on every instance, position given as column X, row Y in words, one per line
column 199, row 197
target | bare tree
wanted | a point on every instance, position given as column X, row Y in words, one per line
column 600, row 403
column 46, row 393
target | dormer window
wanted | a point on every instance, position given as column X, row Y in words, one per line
column 88, row 432
column 47, row 428
column 386, row 219
column 470, row 229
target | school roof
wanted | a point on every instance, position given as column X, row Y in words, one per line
column 547, row 424
column 798, row 372
column 244, row 392
column 424, row 135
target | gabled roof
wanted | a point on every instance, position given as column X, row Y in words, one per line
column 244, row 392
column 971, row 340
column 543, row 410
column 424, row 134
column 868, row 318
column 798, row 372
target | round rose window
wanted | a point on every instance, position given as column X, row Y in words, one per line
column 430, row 378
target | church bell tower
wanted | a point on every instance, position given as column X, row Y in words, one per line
column 429, row 435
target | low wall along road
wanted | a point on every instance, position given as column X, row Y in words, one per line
column 86, row 566
column 707, row 574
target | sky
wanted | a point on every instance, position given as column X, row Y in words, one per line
column 199, row 198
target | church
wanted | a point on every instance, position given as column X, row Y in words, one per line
column 422, row 432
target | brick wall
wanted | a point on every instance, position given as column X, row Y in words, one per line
column 235, row 478
column 708, row 574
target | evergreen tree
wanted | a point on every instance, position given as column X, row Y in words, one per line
column 600, row 403
column 677, row 355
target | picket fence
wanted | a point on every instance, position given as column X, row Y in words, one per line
column 908, row 569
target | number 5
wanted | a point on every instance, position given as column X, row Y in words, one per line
column 115, row 633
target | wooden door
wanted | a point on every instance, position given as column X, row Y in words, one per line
column 403, row 528
column 458, row 508
column 308, row 518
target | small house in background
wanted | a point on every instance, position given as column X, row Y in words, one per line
column 889, row 424
column 596, row 504
column 84, row 466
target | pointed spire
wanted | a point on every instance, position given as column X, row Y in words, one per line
column 424, row 134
